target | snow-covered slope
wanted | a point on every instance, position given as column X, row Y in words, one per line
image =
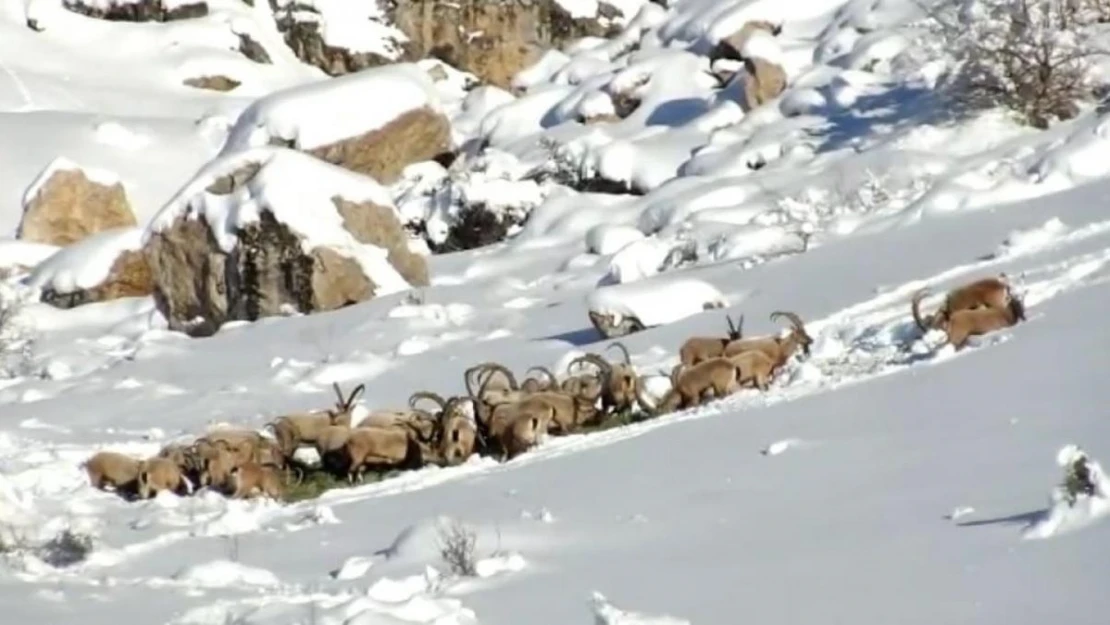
column 884, row 479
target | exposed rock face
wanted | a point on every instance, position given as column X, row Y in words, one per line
column 129, row 277
column 379, row 225
column 199, row 286
column 492, row 40
column 300, row 28
column 418, row 135
column 762, row 81
column 212, row 83
column 253, row 50
column 139, row 11
column 69, row 207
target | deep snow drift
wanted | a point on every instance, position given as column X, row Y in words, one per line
column 884, row 479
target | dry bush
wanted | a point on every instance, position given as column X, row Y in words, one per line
column 457, row 544
column 67, row 548
column 17, row 343
column 1031, row 56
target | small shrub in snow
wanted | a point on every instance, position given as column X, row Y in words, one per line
column 17, row 342
column 1081, row 477
column 1031, row 56
column 67, row 548
column 474, row 226
column 457, row 544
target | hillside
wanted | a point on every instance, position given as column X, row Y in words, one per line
column 353, row 211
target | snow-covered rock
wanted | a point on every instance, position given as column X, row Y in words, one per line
column 270, row 230
column 67, row 203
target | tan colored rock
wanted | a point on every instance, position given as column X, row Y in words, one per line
column 199, row 286
column 69, row 207
column 337, row 281
column 493, row 40
column 418, row 135
column 212, row 83
column 129, row 277
column 732, row 47
column 762, row 82
column 379, row 225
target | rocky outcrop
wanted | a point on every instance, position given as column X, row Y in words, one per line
column 253, row 50
column 379, row 225
column 418, row 135
column 493, row 40
column 212, row 83
column 732, row 47
column 69, row 206
column 762, row 82
column 101, row 267
column 270, row 268
column 139, row 11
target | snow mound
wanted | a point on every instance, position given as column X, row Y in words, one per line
column 606, row 613
column 299, row 191
column 224, row 573
column 87, row 263
column 657, row 301
column 322, row 113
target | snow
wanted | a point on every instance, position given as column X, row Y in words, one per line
column 876, row 475
column 326, row 112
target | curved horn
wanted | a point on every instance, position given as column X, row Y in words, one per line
column 624, row 350
column 494, row 366
column 915, row 308
column 418, row 395
column 552, row 381
column 338, row 392
column 794, row 320
column 594, row 359
column 359, row 390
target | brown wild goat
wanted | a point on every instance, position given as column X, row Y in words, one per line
column 778, row 348
column 963, row 324
column 993, row 292
column 699, row 348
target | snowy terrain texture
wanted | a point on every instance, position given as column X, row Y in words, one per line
column 884, row 479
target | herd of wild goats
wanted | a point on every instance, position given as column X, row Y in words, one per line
column 498, row 416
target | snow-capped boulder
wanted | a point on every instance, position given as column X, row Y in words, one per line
column 67, row 203
column 339, row 37
column 105, row 266
column 138, row 10
column 762, row 82
column 374, row 122
column 495, row 40
column 622, row 309
column 732, row 47
column 273, row 231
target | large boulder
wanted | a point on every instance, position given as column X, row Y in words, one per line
column 375, row 122
column 67, row 203
column 762, row 82
column 105, row 266
column 272, row 232
column 495, row 40
column 492, row 40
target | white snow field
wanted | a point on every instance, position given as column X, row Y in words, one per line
column 883, row 479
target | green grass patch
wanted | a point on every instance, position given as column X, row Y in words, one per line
column 317, row 482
